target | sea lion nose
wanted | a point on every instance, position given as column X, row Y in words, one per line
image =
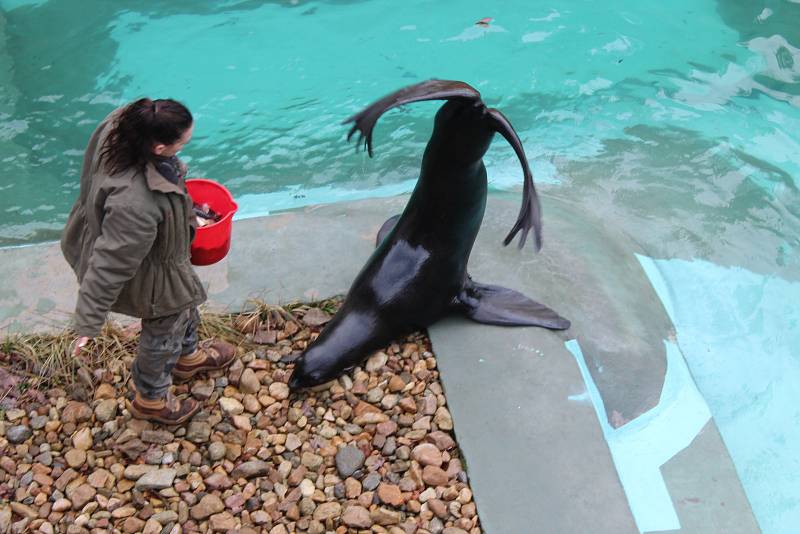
column 294, row 382
column 481, row 108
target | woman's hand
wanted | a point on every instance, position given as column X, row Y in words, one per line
column 78, row 344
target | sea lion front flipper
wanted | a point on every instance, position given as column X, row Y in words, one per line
column 530, row 213
column 498, row 305
column 364, row 121
column 386, row 228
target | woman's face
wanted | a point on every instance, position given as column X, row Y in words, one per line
column 174, row 148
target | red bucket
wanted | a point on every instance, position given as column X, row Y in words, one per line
column 212, row 242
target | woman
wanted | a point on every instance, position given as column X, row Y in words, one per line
column 127, row 239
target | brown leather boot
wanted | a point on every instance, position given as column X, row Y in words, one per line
column 210, row 355
column 169, row 410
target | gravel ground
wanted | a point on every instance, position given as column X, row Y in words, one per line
column 371, row 452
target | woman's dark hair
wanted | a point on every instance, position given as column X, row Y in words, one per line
column 139, row 126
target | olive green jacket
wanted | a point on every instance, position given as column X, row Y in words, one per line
column 127, row 239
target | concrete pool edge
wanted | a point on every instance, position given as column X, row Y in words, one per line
column 535, row 457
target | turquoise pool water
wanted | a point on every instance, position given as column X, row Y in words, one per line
column 677, row 123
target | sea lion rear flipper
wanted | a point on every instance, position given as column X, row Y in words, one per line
column 364, row 121
column 386, row 228
column 498, row 305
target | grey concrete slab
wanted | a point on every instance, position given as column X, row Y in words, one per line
column 705, row 488
column 538, row 462
column 588, row 272
column 301, row 255
column 38, row 289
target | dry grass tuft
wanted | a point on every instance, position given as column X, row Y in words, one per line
column 39, row 362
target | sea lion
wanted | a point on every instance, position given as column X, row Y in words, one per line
column 418, row 272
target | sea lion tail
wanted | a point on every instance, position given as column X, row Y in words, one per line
column 530, row 213
column 365, row 120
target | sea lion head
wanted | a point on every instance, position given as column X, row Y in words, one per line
column 317, row 365
column 462, row 133
column 463, row 129
column 303, row 377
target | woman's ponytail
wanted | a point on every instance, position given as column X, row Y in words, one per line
column 139, row 126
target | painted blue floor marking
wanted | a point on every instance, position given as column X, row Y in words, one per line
column 740, row 334
column 640, row 447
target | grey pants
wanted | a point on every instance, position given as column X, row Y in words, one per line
column 163, row 341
